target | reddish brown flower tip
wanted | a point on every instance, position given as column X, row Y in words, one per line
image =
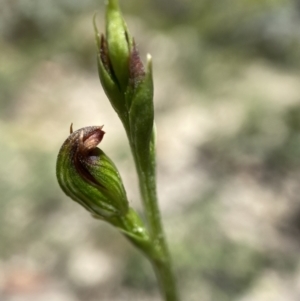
column 89, row 138
column 104, row 54
column 84, row 140
column 136, row 67
column 82, row 147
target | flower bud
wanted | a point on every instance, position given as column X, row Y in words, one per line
column 118, row 41
column 125, row 81
column 107, row 76
column 113, row 53
column 89, row 177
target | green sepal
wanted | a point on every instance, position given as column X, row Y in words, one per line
column 104, row 171
column 141, row 115
column 119, row 41
column 108, row 82
column 115, row 96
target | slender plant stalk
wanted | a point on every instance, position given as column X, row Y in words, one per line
column 162, row 262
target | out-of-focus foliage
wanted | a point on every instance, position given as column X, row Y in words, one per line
column 227, row 112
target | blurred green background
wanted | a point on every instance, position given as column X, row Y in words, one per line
column 227, row 97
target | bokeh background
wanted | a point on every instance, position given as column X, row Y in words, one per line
column 227, row 98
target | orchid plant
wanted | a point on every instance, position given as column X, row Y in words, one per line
column 89, row 177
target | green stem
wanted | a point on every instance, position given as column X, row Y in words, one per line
column 161, row 261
